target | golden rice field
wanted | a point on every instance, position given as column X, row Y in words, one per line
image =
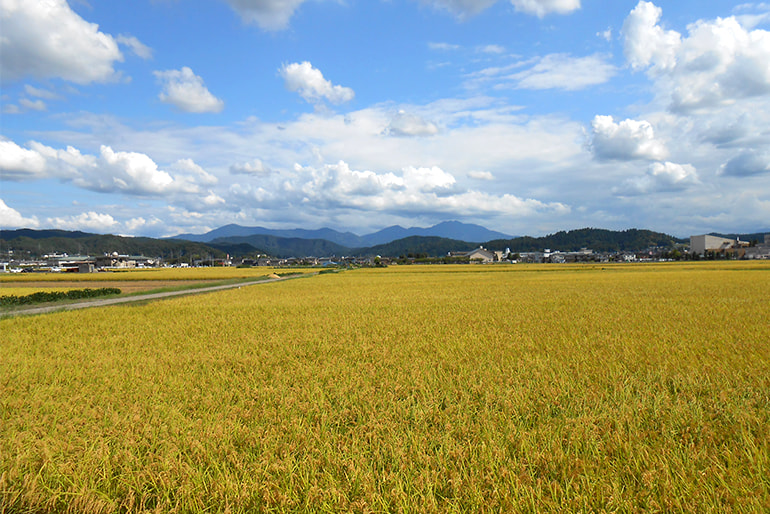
column 137, row 274
column 23, row 290
column 542, row 388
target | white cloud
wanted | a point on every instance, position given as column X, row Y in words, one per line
column 32, row 105
column 91, row 220
column 109, row 172
column 195, row 173
column 396, row 178
column 716, row 64
column 250, row 195
column 11, row 218
column 40, row 93
column 268, row 14
column 443, row 47
column 132, row 172
column 408, row 124
column 428, row 180
column 310, row 83
column 137, row 47
column 481, row 175
column 17, row 163
column 186, row 90
column 729, row 131
column 492, row 49
column 627, row 140
column 562, row 71
column 424, row 190
column 660, row 177
column 68, row 164
column 466, row 8
column 338, row 183
column 461, row 8
column 255, row 167
column 605, row 34
column 747, row 163
column 541, row 8
column 646, row 43
column 212, row 200
column 134, row 224
column 48, row 39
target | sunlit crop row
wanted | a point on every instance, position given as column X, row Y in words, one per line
column 419, row 389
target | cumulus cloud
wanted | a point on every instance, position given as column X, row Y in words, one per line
column 627, row 140
column 409, row 124
column 646, row 43
column 414, row 189
column 268, row 14
column 98, row 222
column 337, row 181
column 562, row 71
column 747, row 163
column 110, row 171
column 255, row 167
column 48, row 39
column 132, row 172
column 186, row 91
column 17, row 163
column 660, row 177
column 466, row 8
column 310, row 83
column 251, row 195
column 11, row 218
column 212, row 200
column 195, row 173
column 718, row 62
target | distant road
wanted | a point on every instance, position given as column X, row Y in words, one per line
column 137, row 298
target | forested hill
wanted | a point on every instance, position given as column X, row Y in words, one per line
column 430, row 246
column 282, row 246
column 36, row 243
column 599, row 240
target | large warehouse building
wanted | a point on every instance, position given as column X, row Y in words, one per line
column 700, row 244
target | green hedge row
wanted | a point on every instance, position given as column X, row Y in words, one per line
column 40, row 297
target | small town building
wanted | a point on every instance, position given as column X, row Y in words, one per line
column 701, row 244
column 481, row 254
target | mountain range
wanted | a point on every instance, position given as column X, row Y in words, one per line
column 448, row 229
column 39, row 242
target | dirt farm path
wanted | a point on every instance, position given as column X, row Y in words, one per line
column 137, row 298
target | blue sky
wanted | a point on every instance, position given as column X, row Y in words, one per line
column 526, row 116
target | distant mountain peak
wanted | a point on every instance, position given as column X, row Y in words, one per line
column 447, row 229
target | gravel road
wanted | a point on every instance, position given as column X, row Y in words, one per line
column 136, row 298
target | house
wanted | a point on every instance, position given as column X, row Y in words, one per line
column 760, row 251
column 114, row 260
column 481, row 254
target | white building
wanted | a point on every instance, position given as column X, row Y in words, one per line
column 700, row 244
